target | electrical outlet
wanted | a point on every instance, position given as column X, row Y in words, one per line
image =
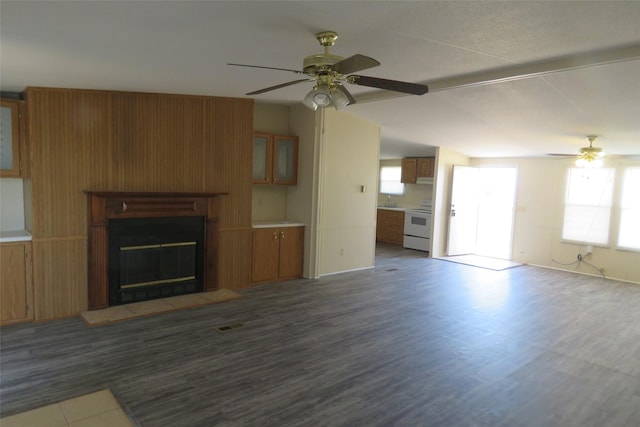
column 589, row 250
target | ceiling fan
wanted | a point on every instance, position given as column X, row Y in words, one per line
column 590, row 157
column 330, row 72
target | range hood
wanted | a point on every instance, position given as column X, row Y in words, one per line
column 424, row 180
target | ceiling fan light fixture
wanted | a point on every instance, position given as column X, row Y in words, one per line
column 590, row 157
column 308, row 100
column 339, row 99
column 322, row 96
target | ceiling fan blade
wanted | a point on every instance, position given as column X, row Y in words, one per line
column 354, row 63
column 267, row 89
column 346, row 93
column 561, row 155
column 386, row 84
column 266, row 68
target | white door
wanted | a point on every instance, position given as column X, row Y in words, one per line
column 463, row 213
column 495, row 212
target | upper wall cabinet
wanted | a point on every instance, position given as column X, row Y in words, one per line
column 412, row 169
column 10, row 134
column 275, row 159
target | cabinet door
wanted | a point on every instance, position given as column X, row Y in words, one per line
column 9, row 138
column 291, row 252
column 285, row 160
column 409, row 169
column 262, row 158
column 265, row 254
column 425, row 167
column 15, row 284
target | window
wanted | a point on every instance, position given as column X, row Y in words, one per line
column 587, row 210
column 390, row 180
column 629, row 232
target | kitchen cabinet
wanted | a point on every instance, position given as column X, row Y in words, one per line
column 16, row 284
column 11, row 161
column 425, row 167
column 414, row 168
column 277, row 253
column 390, row 226
column 275, row 159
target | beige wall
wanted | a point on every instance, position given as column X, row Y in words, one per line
column 332, row 167
column 445, row 159
column 301, row 204
column 538, row 220
column 268, row 202
column 349, row 158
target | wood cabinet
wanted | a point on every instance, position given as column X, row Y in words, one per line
column 390, row 226
column 277, row 253
column 425, row 168
column 275, row 159
column 16, row 284
column 11, row 133
column 421, row 167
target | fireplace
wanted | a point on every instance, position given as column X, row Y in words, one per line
column 144, row 246
column 154, row 258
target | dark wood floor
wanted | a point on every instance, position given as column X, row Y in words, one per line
column 413, row 342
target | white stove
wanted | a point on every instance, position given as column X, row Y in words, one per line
column 417, row 228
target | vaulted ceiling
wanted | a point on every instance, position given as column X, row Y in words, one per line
column 507, row 78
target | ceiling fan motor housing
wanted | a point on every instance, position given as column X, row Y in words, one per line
column 318, row 64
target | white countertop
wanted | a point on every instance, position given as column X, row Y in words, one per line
column 392, row 208
column 14, row 236
column 270, row 224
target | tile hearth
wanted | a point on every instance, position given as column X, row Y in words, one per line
column 91, row 410
column 147, row 308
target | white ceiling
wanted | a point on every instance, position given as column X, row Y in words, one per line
column 183, row 47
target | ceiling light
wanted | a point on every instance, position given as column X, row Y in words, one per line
column 324, row 95
column 339, row 99
column 308, row 100
column 590, row 157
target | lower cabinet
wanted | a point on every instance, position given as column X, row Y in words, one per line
column 277, row 253
column 16, row 285
column 390, row 226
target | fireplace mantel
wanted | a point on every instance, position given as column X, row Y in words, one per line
column 105, row 205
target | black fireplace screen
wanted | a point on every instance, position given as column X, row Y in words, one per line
column 154, row 258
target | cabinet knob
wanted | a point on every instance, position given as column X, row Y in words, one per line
column 275, row 236
column 282, row 234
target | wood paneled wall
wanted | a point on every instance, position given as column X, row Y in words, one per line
column 121, row 141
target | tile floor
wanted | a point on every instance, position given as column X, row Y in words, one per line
column 99, row 409
column 146, row 308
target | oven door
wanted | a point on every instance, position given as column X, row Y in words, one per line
column 417, row 224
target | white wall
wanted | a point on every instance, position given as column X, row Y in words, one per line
column 11, row 204
column 539, row 214
column 349, row 153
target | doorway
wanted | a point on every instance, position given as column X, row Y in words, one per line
column 482, row 210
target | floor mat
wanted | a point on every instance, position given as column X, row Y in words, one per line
column 496, row 264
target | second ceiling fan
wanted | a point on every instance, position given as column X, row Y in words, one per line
column 330, row 72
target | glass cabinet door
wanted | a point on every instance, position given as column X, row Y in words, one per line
column 9, row 139
column 285, row 160
column 262, row 158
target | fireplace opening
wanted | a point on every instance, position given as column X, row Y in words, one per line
column 155, row 258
